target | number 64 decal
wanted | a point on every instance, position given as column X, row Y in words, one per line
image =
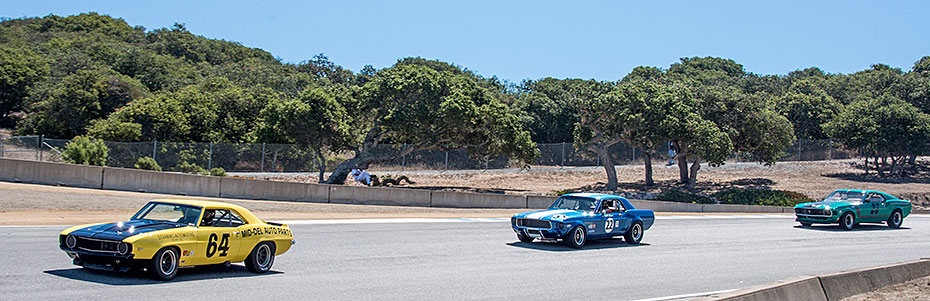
column 212, row 247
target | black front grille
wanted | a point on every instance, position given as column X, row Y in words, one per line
column 97, row 245
column 811, row 211
column 533, row 223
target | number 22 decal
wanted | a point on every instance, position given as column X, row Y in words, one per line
column 212, row 247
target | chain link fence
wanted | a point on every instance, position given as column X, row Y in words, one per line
column 266, row 157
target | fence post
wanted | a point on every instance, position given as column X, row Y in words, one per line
column 41, row 140
column 274, row 160
column 1, row 147
column 263, row 157
column 447, row 160
column 210, row 158
column 403, row 160
column 799, row 149
column 830, row 150
column 154, row 150
column 634, row 154
column 563, row 155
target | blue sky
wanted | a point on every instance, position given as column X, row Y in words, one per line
column 516, row 40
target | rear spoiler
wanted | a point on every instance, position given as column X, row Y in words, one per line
column 276, row 224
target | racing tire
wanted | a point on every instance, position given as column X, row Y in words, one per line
column 895, row 220
column 164, row 265
column 806, row 224
column 261, row 258
column 847, row 221
column 523, row 237
column 577, row 237
column 635, row 234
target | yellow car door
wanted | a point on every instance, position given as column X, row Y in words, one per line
column 218, row 238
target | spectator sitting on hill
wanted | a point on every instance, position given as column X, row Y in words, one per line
column 367, row 179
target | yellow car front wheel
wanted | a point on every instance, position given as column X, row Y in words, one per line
column 164, row 265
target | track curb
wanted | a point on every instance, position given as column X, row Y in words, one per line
column 831, row 286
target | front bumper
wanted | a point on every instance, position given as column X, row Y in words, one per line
column 101, row 261
column 556, row 232
column 817, row 219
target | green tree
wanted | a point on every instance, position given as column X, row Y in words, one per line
column 20, row 69
column 87, row 151
column 882, row 128
column 425, row 108
column 599, row 126
column 79, row 98
column 315, row 120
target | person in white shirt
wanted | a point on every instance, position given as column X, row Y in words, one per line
column 361, row 176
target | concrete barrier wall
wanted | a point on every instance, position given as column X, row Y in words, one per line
column 379, row 196
column 742, row 208
column 50, row 173
column 185, row 184
column 539, row 201
column 265, row 190
column 805, row 288
column 160, row 182
column 477, row 200
column 833, row 286
column 667, row 206
column 841, row 285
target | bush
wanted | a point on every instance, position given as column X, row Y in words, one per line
column 675, row 195
column 186, row 167
column 147, row 163
column 762, row 197
column 84, row 150
column 218, row 172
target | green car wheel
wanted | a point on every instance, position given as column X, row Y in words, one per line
column 847, row 221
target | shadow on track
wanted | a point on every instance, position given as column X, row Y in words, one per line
column 860, row 227
column 139, row 277
column 612, row 243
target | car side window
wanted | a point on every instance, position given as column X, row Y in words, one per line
column 875, row 198
column 227, row 218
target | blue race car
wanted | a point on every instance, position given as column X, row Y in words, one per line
column 575, row 218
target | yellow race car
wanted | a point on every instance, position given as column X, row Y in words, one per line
column 169, row 234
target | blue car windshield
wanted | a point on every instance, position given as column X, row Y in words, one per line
column 575, row 203
column 174, row 213
column 844, row 196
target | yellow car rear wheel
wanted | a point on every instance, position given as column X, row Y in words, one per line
column 262, row 258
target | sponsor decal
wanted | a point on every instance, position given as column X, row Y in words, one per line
column 270, row 230
column 175, row 236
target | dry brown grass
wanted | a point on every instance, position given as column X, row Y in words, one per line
column 813, row 178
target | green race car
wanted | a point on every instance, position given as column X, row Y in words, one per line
column 849, row 207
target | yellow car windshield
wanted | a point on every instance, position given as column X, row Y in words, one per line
column 163, row 212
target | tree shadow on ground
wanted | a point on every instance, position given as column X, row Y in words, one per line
column 705, row 186
column 139, row 277
column 465, row 189
column 911, row 174
column 598, row 244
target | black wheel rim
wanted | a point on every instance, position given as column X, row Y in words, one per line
column 263, row 256
column 167, row 262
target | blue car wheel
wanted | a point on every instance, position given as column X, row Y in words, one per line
column 577, row 237
column 635, row 234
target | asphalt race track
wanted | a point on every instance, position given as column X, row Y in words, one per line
column 482, row 260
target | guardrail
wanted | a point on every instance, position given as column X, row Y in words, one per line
column 832, row 286
column 111, row 178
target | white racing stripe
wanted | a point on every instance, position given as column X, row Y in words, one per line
column 539, row 215
column 687, row 296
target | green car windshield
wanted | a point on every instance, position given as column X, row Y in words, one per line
column 575, row 203
column 845, row 196
column 174, row 213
